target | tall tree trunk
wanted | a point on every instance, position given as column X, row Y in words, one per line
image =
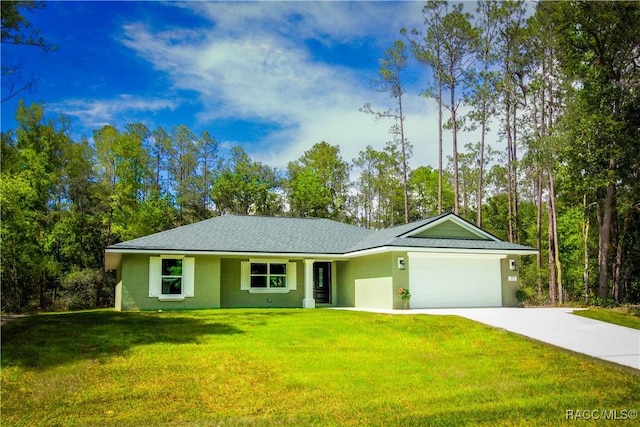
column 539, row 231
column 509, row 182
column 403, row 144
column 454, row 130
column 483, row 127
column 617, row 267
column 585, row 236
column 552, row 265
column 514, row 177
column 605, row 238
column 554, row 229
column 439, row 73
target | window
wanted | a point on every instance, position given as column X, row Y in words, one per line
column 268, row 276
column 171, row 276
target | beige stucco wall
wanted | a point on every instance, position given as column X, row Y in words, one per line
column 509, row 288
column 217, row 283
column 400, row 278
column 233, row 296
column 376, row 266
column 133, row 291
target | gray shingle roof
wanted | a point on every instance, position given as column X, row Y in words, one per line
column 259, row 234
column 238, row 233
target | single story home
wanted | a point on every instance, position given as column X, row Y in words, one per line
column 256, row 261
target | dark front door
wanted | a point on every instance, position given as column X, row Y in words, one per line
column 322, row 282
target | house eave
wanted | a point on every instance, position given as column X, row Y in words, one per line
column 114, row 255
column 382, row 249
column 118, row 252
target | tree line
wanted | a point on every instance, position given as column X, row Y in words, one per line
column 560, row 85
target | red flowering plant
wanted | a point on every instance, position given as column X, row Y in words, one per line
column 404, row 293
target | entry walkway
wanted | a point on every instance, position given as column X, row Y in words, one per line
column 555, row 326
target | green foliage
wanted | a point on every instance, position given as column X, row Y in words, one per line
column 18, row 31
column 596, row 301
column 525, row 295
column 317, row 183
column 82, row 289
column 423, row 185
column 570, row 245
column 246, row 187
column 31, row 194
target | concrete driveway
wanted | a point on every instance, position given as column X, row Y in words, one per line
column 555, row 326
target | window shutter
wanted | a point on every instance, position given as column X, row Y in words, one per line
column 155, row 276
column 245, row 273
column 188, row 276
column 291, row 276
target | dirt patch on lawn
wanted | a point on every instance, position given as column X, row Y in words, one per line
column 4, row 318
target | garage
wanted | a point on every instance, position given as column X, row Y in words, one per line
column 439, row 280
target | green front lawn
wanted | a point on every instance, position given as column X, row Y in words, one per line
column 292, row 367
column 623, row 317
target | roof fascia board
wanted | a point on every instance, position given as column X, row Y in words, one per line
column 355, row 254
column 438, row 255
column 459, row 221
column 221, row 253
column 414, row 249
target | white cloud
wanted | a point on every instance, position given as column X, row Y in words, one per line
column 96, row 113
column 252, row 64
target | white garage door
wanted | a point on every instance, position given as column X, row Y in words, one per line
column 452, row 280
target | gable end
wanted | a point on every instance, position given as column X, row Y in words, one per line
column 451, row 227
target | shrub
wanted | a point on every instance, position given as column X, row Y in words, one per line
column 602, row 302
column 525, row 295
column 80, row 289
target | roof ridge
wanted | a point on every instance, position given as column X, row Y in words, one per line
column 280, row 217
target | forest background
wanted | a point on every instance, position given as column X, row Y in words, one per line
column 561, row 85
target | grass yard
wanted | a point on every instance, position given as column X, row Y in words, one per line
column 292, row 367
column 623, row 317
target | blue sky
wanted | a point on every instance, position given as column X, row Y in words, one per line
column 272, row 77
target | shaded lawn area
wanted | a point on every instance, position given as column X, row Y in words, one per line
column 628, row 318
column 292, row 367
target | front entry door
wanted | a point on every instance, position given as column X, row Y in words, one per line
column 322, row 282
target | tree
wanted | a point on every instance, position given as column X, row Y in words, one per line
column 122, row 163
column 511, row 24
column 458, row 38
column 423, row 187
column 427, row 48
column 38, row 181
column 183, row 167
column 367, row 184
column 483, row 95
column 391, row 67
column 545, row 97
column 597, row 45
column 246, row 187
column 208, row 152
column 17, row 31
column 317, row 183
column 471, row 162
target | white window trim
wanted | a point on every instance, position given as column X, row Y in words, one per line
column 245, row 276
column 171, row 297
column 155, row 278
